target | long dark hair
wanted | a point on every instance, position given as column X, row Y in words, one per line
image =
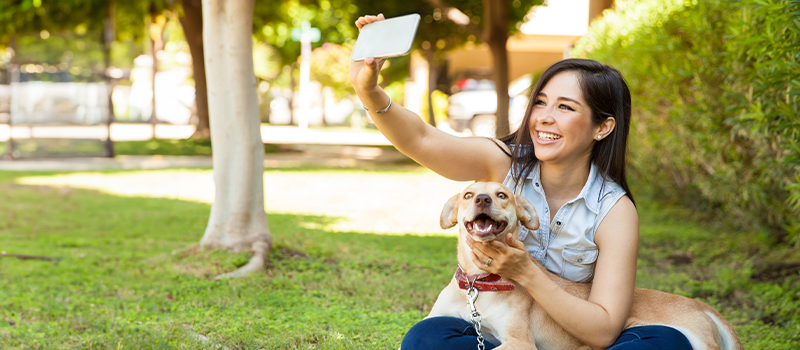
column 607, row 95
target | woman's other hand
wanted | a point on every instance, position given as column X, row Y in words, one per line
column 364, row 74
column 509, row 260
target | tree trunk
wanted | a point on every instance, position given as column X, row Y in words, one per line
column 108, row 39
column 192, row 23
column 13, row 77
column 154, row 39
column 496, row 35
column 237, row 220
column 432, row 78
column 292, row 86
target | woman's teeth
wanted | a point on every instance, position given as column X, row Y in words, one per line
column 548, row 136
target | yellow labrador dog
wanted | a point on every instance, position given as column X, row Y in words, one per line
column 487, row 210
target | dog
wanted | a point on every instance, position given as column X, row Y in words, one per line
column 512, row 317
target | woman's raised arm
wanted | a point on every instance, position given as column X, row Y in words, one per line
column 456, row 158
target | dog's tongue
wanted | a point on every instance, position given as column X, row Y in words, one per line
column 484, row 225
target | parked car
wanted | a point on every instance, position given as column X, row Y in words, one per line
column 475, row 104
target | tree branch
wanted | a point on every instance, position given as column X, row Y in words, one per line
column 456, row 16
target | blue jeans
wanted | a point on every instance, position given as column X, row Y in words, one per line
column 450, row 333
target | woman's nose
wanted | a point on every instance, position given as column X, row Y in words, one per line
column 543, row 116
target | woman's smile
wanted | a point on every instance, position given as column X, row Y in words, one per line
column 545, row 137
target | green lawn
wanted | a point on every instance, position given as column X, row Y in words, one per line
column 129, row 275
column 188, row 147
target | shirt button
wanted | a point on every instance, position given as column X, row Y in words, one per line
column 537, row 184
column 558, row 223
column 580, row 260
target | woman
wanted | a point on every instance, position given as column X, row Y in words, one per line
column 568, row 159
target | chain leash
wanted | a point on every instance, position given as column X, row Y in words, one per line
column 472, row 295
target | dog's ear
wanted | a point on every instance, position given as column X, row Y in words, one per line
column 449, row 216
column 526, row 214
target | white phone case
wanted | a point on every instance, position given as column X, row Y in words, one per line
column 387, row 38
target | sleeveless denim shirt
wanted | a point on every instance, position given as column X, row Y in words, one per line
column 566, row 245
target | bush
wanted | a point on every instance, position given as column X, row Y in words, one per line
column 715, row 88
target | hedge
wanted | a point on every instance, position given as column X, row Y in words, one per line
column 716, row 113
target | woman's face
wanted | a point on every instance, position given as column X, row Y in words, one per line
column 561, row 125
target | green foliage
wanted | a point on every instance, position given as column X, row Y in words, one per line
column 715, row 89
column 329, row 66
column 440, row 104
column 129, row 275
column 273, row 22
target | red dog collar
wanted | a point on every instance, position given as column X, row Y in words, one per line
column 486, row 282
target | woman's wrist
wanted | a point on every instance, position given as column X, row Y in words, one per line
column 535, row 279
column 374, row 99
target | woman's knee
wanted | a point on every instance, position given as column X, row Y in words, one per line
column 431, row 333
column 652, row 337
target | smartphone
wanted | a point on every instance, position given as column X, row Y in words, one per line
column 387, row 38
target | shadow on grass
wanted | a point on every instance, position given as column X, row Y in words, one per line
column 132, row 276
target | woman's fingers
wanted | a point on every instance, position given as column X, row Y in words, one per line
column 483, row 253
column 483, row 248
column 363, row 20
column 480, row 262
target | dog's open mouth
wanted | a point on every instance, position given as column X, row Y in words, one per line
column 484, row 226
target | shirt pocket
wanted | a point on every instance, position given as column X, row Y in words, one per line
column 579, row 263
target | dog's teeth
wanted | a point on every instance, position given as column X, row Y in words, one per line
column 489, row 229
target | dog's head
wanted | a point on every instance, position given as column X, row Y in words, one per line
column 487, row 210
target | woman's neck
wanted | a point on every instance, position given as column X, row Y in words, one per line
column 564, row 181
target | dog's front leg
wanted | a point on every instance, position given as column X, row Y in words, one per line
column 517, row 344
column 515, row 335
column 449, row 303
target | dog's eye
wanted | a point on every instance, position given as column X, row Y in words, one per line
column 468, row 196
column 502, row 195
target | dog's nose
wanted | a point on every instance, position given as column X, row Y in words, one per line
column 483, row 200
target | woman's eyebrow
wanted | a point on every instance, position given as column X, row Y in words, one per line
column 562, row 98
column 569, row 99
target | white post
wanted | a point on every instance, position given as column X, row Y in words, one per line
column 305, row 78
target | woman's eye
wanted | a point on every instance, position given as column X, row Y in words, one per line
column 565, row 107
column 468, row 196
column 539, row 103
column 502, row 195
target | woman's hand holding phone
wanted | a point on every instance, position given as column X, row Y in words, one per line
column 364, row 74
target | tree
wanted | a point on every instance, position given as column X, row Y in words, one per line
column 500, row 20
column 237, row 220
column 191, row 18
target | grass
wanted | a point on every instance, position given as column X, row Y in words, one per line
column 187, row 147
column 45, row 147
column 129, row 275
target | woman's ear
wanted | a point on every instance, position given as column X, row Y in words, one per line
column 449, row 216
column 605, row 128
column 526, row 213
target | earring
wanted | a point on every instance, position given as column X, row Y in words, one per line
column 599, row 137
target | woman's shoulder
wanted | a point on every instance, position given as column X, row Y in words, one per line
column 603, row 193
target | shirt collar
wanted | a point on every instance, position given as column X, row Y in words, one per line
column 592, row 192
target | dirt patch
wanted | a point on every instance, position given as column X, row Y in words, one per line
column 775, row 271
